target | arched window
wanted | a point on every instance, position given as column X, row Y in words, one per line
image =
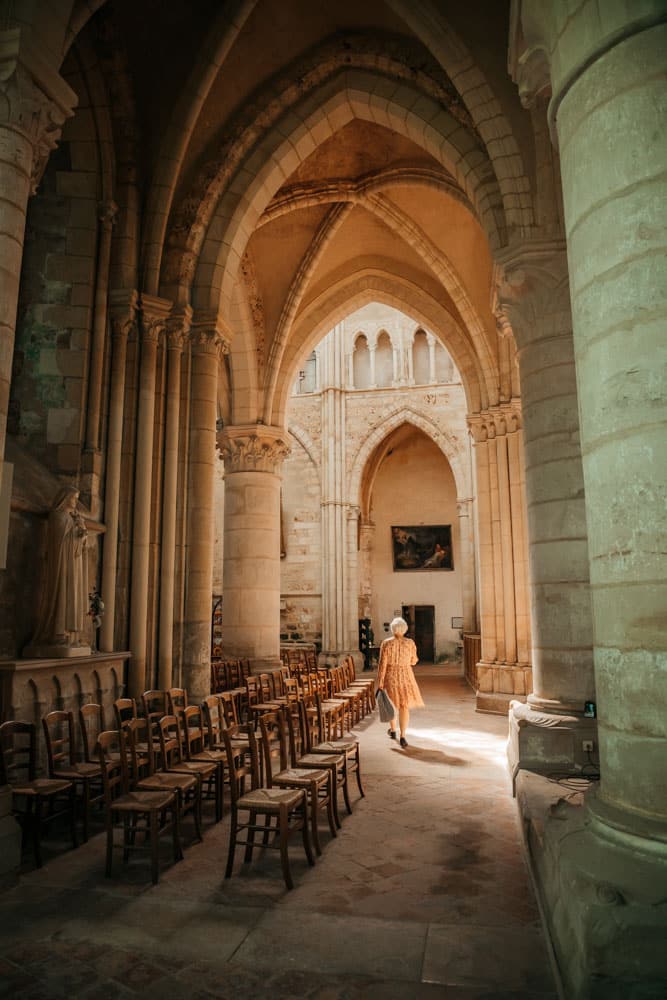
column 420, row 359
column 361, row 363
column 384, row 360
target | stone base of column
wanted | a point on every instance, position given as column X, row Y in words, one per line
column 549, row 743
column 10, row 841
column 602, row 885
column 497, row 684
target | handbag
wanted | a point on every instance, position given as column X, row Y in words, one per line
column 385, row 705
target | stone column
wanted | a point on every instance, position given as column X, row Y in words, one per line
column 464, row 508
column 504, row 625
column 207, row 345
column 371, row 358
column 533, row 292
column 430, row 340
column 606, row 64
column 34, row 103
column 178, row 327
column 253, row 455
column 351, row 589
column 107, row 215
column 123, row 309
column 154, row 314
column 410, row 358
column 364, row 562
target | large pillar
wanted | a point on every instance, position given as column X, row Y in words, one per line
column 123, row 309
column 34, row 103
column 464, row 507
column 207, row 345
column 533, row 294
column 178, row 327
column 154, row 314
column 253, row 456
column 503, row 671
column 609, row 101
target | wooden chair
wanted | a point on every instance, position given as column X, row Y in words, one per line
column 127, row 809
column 124, row 709
column 318, row 785
column 91, row 724
column 63, row 764
column 256, row 703
column 156, row 705
column 174, row 759
column 195, row 749
column 300, row 757
column 177, row 700
column 284, row 810
column 347, row 745
column 30, row 794
column 146, row 776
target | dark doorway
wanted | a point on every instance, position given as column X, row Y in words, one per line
column 421, row 628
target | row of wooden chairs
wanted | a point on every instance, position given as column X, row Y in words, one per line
column 226, row 675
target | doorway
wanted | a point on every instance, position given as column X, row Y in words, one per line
column 421, row 628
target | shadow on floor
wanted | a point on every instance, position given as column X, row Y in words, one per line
column 431, row 756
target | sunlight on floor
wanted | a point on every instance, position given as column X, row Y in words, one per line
column 487, row 745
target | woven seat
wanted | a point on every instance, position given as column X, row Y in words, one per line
column 270, row 798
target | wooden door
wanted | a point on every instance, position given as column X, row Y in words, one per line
column 421, row 628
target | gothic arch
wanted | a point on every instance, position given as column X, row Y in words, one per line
column 306, row 442
column 405, row 415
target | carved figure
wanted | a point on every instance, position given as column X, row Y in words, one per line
column 64, row 601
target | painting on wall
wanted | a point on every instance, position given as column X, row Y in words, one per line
column 424, row 546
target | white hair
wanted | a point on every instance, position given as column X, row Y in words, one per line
column 399, row 625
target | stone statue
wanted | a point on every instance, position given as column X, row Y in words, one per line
column 64, row 603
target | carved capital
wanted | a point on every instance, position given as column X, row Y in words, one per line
column 34, row 100
column 154, row 316
column 178, row 328
column 253, row 448
column 531, row 291
column 528, row 56
column 123, row 306
column 496, row 421
column 208, row 335
column 106, row 213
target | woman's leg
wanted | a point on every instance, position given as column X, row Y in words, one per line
column 392, row 728
column 404, row 718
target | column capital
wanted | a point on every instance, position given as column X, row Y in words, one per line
column 531, row 286
column 178, row 327
column 209, row 334
column 107, row 212
column 154, row 314
column 35, row 101
column 495, row 421
column 123, row 304
column 253, row 448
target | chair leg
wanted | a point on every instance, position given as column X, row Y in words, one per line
column 155, row 847
column 197, row 810
column 128, row 837
column 176, row 826
column 107, row 870
column 247, row 857
column 37, row 832
column 330, row 811
column 86, row 809
column 306, row 834
column 361, row 787
column 284, row 833
column 314, row 804
column 232, row 841
column 346, row 795
column 72, row 815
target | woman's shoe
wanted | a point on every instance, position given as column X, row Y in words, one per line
column 404, row 742
column 392, row 733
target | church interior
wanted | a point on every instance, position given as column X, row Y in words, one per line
column 315, row 315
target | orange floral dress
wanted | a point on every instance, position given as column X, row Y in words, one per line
column 398, row 656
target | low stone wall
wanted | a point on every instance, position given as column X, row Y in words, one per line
column 31, row 688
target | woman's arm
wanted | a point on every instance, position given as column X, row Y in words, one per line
column 382, row 665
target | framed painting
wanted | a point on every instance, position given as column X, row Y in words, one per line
column 423, row 546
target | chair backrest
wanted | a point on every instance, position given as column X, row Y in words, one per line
column 212, row 718
column 18, row 747
column 59, row 737
column 253, row 689
column 177, row 699
column 311, row 659
column 295, row 743
column 265, row 687
column 306, row 683
column 241, row 765
column 170, row 740
column 156, row 704
column 192, row 730
column 233, row 673
column 111, row 752
column 91, row 724
column 228, row 708
column 244, row 667
column 138, row 744
column 124, row 709
column 291, row 688
column 274, row 743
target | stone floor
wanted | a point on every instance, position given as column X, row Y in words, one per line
column 424, row 893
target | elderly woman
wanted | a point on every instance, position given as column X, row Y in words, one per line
column 398, row 656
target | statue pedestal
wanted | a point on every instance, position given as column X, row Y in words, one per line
column 54, row 652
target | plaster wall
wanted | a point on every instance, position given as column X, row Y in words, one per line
column 415, row 486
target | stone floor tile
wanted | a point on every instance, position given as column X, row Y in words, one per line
column 490, row 957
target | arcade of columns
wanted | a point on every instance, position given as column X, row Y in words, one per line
column 584, row 453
